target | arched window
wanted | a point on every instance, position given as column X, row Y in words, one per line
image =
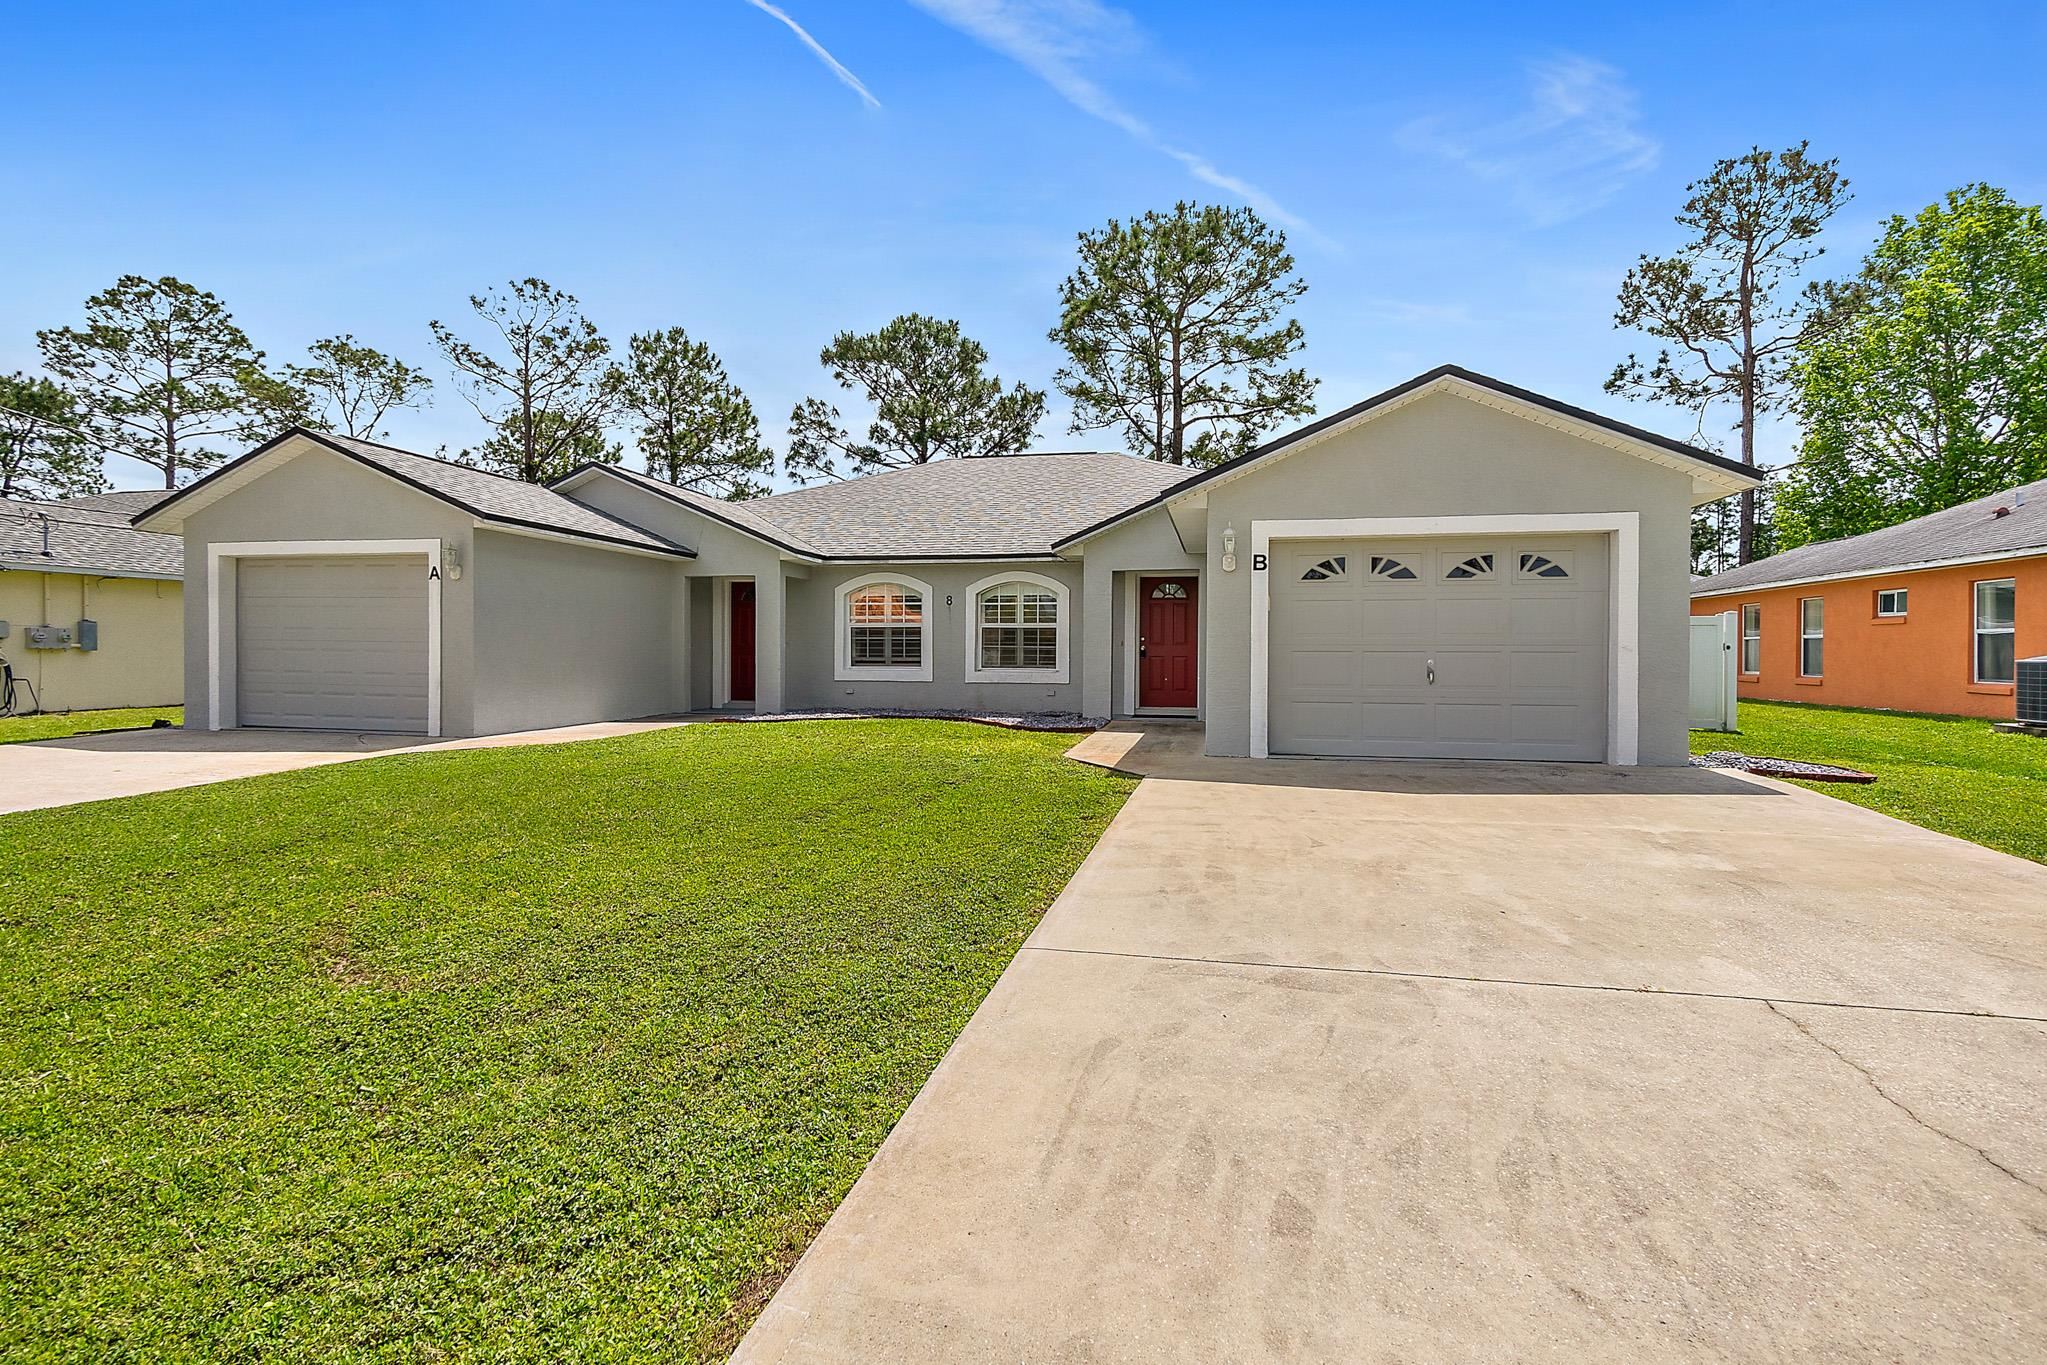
column 1018, row 630
column 884, row 630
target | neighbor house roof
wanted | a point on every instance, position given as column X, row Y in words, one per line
column 1717, row 469
column 987, row 507
column 491, row 498
column 128, row 502
column 82, row 540
column 1971, row 533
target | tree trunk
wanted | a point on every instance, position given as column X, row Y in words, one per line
column 1746, row 543
column 1179, row 455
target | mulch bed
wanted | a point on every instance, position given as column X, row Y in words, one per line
column 1781, row 767
column 1055, row 722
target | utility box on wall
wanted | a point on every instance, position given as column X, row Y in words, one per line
column 46, row 637
column 88, row 634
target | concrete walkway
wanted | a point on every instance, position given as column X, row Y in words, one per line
column 1430, row 1062
column 98, row 767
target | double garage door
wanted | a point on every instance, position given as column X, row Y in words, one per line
column 1487, row 647
column 332, row 643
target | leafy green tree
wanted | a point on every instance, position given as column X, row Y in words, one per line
column 352, row 388
column 930, row 397
column 1933, row 392
column 161, row 373
column 1172, row 326
column 696, row 429
column 544, row 388
column 42, row 452
column 1726, row 302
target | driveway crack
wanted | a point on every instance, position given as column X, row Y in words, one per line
column 1899, row 1104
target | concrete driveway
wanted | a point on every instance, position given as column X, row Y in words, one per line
column 1427, row 1062
column 98, row 767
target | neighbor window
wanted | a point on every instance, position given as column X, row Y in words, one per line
column 1890, row 602
column 884, row 626
column 1995, row 651
column 1752, row 637
column 1017, row 632
column 1812, row 636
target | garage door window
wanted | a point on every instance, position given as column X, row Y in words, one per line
column 1472, row 566
column 1385, row 566
column 1336, row 566
column 1542, row 566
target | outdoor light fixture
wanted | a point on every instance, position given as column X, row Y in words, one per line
column 1230, row 548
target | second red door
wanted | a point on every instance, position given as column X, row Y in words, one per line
column 1167, row 629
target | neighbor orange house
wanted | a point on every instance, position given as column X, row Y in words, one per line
column 1928, row 615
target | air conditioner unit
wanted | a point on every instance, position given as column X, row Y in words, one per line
column 2032, row 690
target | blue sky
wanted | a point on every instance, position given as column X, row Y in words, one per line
column 1461, row 183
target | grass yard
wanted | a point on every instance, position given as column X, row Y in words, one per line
column 1949, row 773
column 56, row 725
column 516, row 1054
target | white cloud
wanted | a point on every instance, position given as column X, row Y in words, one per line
column 1576, row 144
column 1059, row 41
column 838, row 69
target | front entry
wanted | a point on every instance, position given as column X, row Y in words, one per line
column 1168, row 629
column 742, row 642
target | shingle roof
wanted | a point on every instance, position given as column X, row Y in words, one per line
column 489, row 497
column 83, row 540
column 987, row 507
column 1972, row 530
column 737, row 514
column 497, row 498
column 128, row 502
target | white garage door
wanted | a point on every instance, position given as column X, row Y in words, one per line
column 1487, row 647
column 334, row 643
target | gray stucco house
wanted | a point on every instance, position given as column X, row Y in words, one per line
column 1453, row 568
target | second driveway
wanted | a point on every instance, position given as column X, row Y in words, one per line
column 1352, row 1061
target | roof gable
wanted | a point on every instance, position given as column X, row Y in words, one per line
column 1713, row 476
column 493, row 500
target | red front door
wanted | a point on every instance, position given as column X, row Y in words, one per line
column 742, row 642
column 1166, row 636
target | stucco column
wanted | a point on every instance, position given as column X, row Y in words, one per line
column 679, row 639
column 1097, row 637
column 771, row 595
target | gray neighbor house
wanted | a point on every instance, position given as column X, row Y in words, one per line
column 1455, row 568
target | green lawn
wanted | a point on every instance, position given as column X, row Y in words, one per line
column 56, row 725
column 1950, row 773
column 518, row 1054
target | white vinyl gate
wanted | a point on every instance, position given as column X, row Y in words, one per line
column 1716, row 644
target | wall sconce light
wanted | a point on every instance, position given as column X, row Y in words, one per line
column 452, row 558
column 1230, row 548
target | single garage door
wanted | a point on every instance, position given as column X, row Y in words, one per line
column 1490, row 647
column 331, row 643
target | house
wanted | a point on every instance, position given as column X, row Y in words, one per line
column 91, row 609
column 1453, row 568
column 1927, row 615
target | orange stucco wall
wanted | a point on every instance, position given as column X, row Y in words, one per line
column 1920, row 663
